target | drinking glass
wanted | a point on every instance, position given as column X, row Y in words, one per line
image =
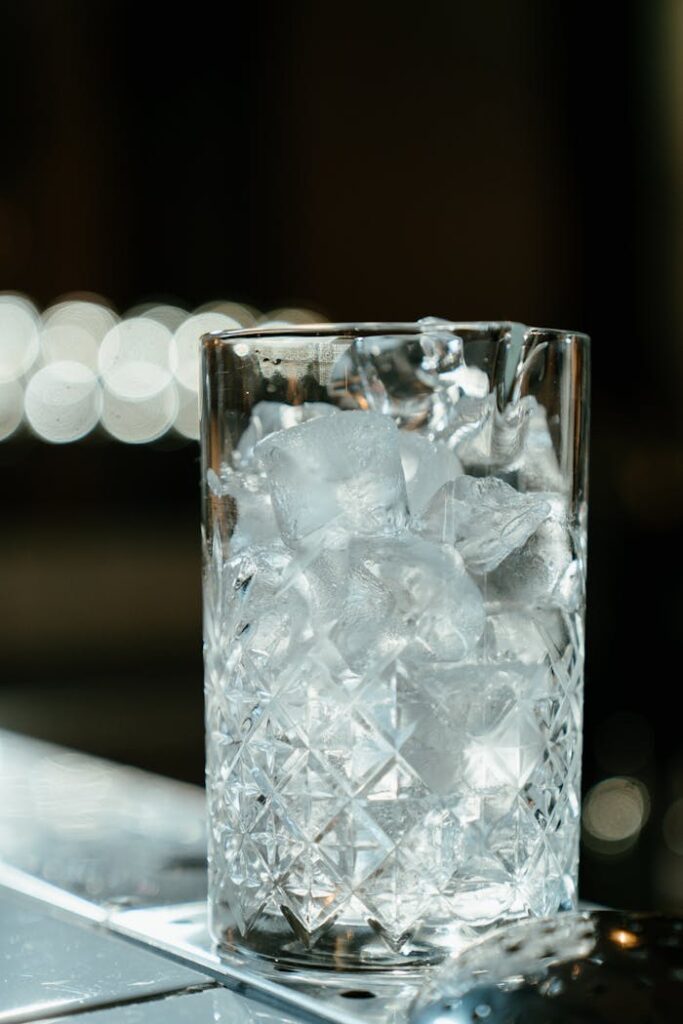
column 394, row 529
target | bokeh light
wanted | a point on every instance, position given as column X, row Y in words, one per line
column 187, row 417
column 246, row 316
column 614, row 813
column 90, row 315
column 19, row 344
column 164, row 313
column 63, row 401
column 268, row 324
column 185, row 347
column 11, row 407
column 138, row 419
column 134, row 359
column 138, row 373
column 291, row 315
column 68, row 342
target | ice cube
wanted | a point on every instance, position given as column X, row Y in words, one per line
column 484, row 518
column 354, row 608
column 433, row 737
column 342, row 472
column 267, row 605
column 367, row 629
column 253, row 517
column 456, row 420
column 544, row 570
column 529, row 636
column 427, row 465
column 471, row 382
column 398, row 374
column 267, row 417
column 437, row 608
column 505, row 741
column 498, row 438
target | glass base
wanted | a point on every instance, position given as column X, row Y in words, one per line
column 343, row 950
column 277, row 944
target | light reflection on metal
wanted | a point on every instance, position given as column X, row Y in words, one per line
column 625, row 939
column 604, row 965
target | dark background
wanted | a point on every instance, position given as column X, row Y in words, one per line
column 380, row 160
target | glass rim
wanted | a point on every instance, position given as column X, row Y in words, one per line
column 361, row 329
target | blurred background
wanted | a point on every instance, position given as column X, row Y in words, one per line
column 343, row 161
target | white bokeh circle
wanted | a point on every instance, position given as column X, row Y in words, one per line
column 11, row 407
column 186, row 421
column 185, row 347
column 19, row 345
column 142, row 418
column 134, row 358
column 94, row 318
column 60, row 342
column 63, row 401
column 170, row 316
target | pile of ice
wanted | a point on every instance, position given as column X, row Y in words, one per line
column 393, row 520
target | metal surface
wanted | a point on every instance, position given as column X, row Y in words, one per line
column 95, row 836
column 48, row 965
column 100, row 857
column 344, row 999
column 215, row 1007
column 602, row 967
column 93, row 840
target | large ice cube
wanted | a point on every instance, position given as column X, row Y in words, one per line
column 431, row 704
column 470, row 381
column 427, row 465
column 525, row 635
column 484, row 518
column 543, row 571
column 352, row 607
column 456, row 420
column 342, row 472
column 460, row 723
column 367, row 629
column 505, row 741
column 267, row 606
column 254, row 519
column 268, row 417
column 421, row 596
column 496, row 439
column 398, row 375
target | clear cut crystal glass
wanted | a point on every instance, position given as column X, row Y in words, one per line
column 394, row 528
